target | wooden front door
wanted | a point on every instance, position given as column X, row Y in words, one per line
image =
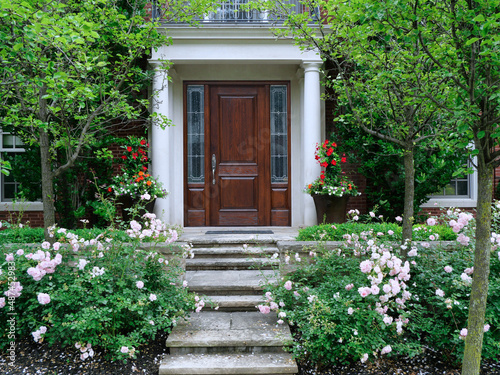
column 234, row 158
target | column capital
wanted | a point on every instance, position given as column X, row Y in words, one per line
column 160, row 64
column 311, row 66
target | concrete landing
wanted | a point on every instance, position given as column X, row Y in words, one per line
column 247, row 332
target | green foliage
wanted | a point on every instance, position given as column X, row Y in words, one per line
column 337, row 232
column 14, row 234
column 382, row 165
column 335, row 324
column 110, row 294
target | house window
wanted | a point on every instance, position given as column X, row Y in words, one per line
column 10, row 146
column 460, row 192
column 196, row 134
column 279, row 134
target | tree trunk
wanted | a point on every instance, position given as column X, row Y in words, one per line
column 479, row 293
column 49, row 216
column 408, row 209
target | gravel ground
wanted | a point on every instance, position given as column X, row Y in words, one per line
column 34, row 359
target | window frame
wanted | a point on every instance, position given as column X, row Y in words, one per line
column 19, row 206
column 460, row 201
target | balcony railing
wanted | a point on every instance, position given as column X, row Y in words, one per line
column 236, row 11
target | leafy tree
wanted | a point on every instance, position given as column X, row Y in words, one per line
column 445, row 63
column 377, row 74
column 70, row 71
column 381, row 163
column 461, row 38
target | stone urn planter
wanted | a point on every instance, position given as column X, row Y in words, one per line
column 330, row 209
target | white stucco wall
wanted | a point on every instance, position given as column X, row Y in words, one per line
column 228, row 54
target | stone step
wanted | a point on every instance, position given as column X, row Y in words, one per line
column 230, row 263
column 229, row 332
column 235, row 303
column 242, row 364
column 240, row 282
column 234, row 251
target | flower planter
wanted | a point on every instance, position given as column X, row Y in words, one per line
column 330, row 209
column 127, row 202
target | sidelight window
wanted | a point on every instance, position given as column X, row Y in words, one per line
column 279, row 134
column 196, row 134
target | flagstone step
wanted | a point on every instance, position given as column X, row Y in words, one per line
column 235, row 303
column 228, row 332
column 230, row 263
column 229, row 282
column 242, row 364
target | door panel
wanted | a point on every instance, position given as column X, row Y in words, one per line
column 239, row 191
column 239, row 195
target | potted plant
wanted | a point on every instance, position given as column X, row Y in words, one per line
column 332, row 189
column 135, row 188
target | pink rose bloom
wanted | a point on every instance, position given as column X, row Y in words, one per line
column 364, row 291
column 486, row 328
column 399, row 218
column 463, row 333
column 124, row 349
column 288, row 285
column 448, row 269
column 43, row 298
column 296, row 294
column 45, row 245
column 375, row 289
column 431, row 221
column 20, row 252
column 386, row 349
column 152, row 297
column 469, row 271
column 349, row 286
column 274, row 306
column 264, row 309
column 9, row 257
column 2, row 302
column 390, row 233
column 364, row 358
column 439, row 293
column 372, row 214
column 139, row 284
column 350, row 311
column 387, row 288
column 56, row 246
column 388, row 319
column 14, row 290
column 366, row 266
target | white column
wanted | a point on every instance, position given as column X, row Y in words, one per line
column 161, row 140
column 311, row 133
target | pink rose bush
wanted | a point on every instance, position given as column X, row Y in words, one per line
column 81, row 282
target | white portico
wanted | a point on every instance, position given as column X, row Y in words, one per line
column 247, row 115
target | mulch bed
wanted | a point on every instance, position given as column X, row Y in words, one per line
column 41, row 359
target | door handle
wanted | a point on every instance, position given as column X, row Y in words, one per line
column 214, row 165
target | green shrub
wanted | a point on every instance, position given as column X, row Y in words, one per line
column 97, row 293
column 14, row 234
column 422, row 303
column 336, row 232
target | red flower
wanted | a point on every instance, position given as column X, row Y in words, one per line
column 343, row 160
column 143, row 142
column 141, row 151
column 124, row 157
column 110, row 189
column 144, row 167
column 316, row 157
column 322, row 176
column 334, row 144
column 144, row 158
column 129, row 149
column 334, row 162
column 324, row 164
column 134, row 155
column 329, row 152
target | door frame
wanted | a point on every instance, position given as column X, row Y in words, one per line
column 196, row 202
